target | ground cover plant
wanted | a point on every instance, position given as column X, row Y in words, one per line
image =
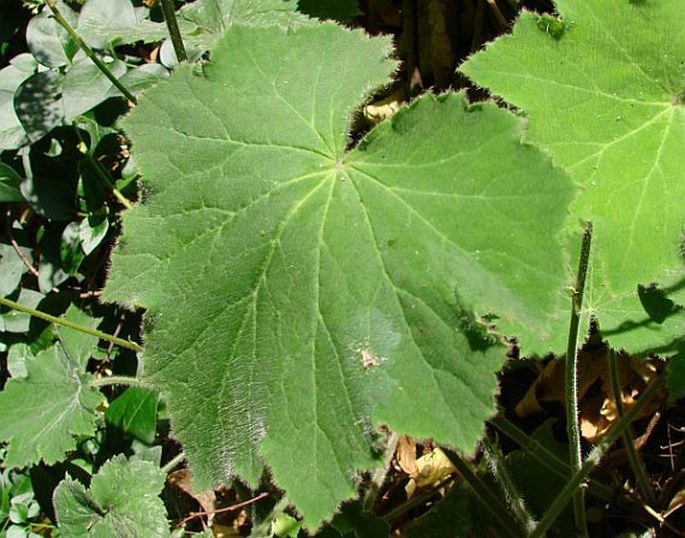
column 262, row 274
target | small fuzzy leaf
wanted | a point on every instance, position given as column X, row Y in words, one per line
column 42, row 413
column 78, row 345
column 140, row 78
column 204, row 21
column 123, row 500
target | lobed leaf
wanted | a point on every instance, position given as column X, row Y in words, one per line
column 603, row 89
column 298, row 293
column 123, row 500
column 42, row 412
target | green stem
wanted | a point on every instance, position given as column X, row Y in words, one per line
column 168, row 466
column 595, row 456
column 517, row 506
column 119, row 380
column 487, row 499
column 99, row 170
column 550, row 461
column 66, row 323
column 416, row 500
column 174, row 32
column 636, row 463
column 52, row 4
column 263, row 528
column 572, row 423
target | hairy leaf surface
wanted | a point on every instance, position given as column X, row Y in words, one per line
column 299, row 294
column 604, row 92
column 43, row 412
column 123, row 500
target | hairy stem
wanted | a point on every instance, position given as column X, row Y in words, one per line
column 66, row 323
column 636, row 463
column 174, row 32
column 486, row 498
column 52, row 4
column 572, row 426
column 119, row 380
column 98, row 169
column 550, row 461
column 515, row 501
column 263, row 528
column 167, row 467
column 595, row 456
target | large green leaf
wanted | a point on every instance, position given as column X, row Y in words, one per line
column 299, row 294
column 123, row 500
column 604, row 92
column 43, row 412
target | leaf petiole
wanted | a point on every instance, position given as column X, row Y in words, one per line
column 174, row 32
column 66, row 323
column 572, row 426
column 595, row 456
column 89, row 52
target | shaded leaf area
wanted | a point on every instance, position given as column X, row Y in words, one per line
column 615, row 121
column 55, row 401
column 123, row 500
column 299, row 295
column 338, row 10
column 135, row 413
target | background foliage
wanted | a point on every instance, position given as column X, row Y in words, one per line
column 321, row 288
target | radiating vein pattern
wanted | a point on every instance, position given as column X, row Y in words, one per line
column 606, row 99
column 299, row 296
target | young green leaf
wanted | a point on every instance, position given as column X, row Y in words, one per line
column 604, row 93
column 41, row 414
column 299, row 294
column 123, row 500
column 43, row 411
